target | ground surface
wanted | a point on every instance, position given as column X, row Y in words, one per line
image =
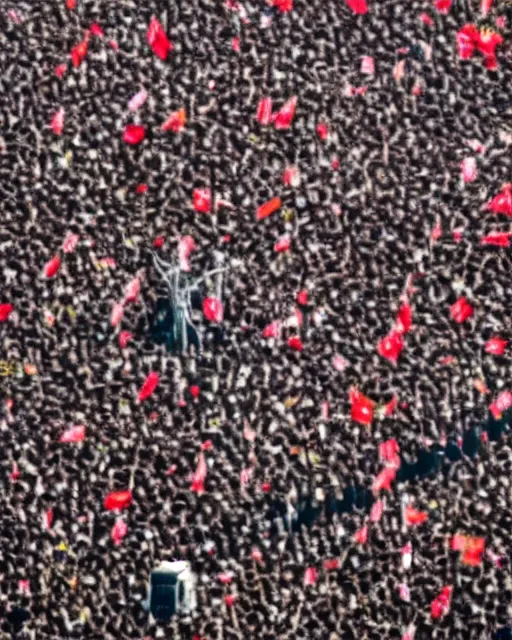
column 381, row 218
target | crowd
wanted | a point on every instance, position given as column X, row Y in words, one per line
column 255, row 302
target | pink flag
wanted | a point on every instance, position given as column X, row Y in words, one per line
column 185, row 247
column 377, row 511
column 74, row 434
column 245, row 476
column 58, row 122
column 367, row 65
column 119, row 530
column 70, row 242
column 404, row 592
column 485, row 7
column 199, row 475
column 406, row 552
column 117, row 314
column 361, row 535
column 310, row 576
column 138, row 100
column 410, row 632
column 132, row 290
column 469, row 170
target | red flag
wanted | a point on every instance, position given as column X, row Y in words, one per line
column 391, row 406
column 361, row 535
column 213, row 310
column 302, row 297
column 199, row 475
column 52, row 267
column 134, row 134
column 283, row 5
column 502, row 203
column 467, row 37
column 358, row 6
column 268, row 208
column 362, row 407
column 497, row 239
column 96, row 30
column 15, row 472
column 322, row 130
column 158, row 40
column 388, row 452
column 413, row 517
column 150, row 384
column 331, row 564
column 118, row 500
column 473, row 551
column 124, row 339
column 391, row 346
column 202, row 200
column 443, row 6
column 176, row 121
column 272, row 330
column 384, row 479
column 264, row 111
column 496, row 346
column 283, row 118
column 440, row 606
column 404, row 319
column 486, row 43
column 5, row 311
column 295, row 343
column 461, row 310
column 79, row 51
column 48, row 518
